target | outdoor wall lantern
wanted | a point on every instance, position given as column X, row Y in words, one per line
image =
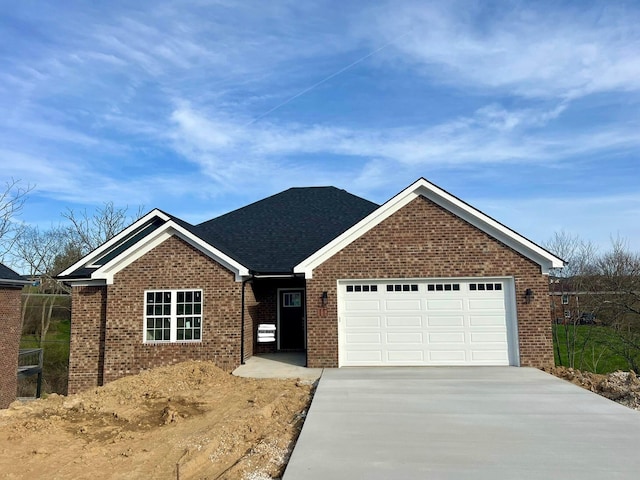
column 323, row 298
column 528, row 295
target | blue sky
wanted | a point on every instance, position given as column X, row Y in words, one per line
column 527, row 110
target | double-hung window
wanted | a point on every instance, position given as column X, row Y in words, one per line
column 173, row 316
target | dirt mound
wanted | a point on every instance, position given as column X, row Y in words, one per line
column 192, row 416
column 621, row 387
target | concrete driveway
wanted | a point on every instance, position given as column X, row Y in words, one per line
column 462, row 423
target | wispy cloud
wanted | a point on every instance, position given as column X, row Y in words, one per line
column 492, row 135
column 531, row 49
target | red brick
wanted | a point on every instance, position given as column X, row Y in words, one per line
column 11, row 323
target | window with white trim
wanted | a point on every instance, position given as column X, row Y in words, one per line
column 173, row 316
column 565, row 299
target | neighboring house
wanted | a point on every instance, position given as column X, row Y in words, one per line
column 565, row 301
column 424, row 279
column 589, row 300
column 11, row 285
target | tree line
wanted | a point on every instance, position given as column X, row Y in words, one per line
column 602, row 288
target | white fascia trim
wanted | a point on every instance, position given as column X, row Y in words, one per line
column 148, row 243
column 95, row 254
column 424, row 188
column 6, row 281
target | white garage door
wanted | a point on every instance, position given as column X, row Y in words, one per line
column 426, row 322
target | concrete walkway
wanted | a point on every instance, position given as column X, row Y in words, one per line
column 459, row 423
column 278, row 365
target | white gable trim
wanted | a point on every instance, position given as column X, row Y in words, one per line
column 424, row 188
column 88, row 259
column 148, row 243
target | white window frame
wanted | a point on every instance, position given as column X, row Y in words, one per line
column 565, row 299
column 173, row 316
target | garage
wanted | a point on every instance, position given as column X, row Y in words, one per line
column 427, row 322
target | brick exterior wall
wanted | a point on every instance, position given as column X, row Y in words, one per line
column 173, row 264
column 425, row 240
column 86, row 349
column 10, row 331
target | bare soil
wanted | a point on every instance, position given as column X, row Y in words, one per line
column 190, row 419
column 621, row 387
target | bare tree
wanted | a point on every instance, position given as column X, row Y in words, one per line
column 88, row 231
column 615, row 295
column 605, row 286
column 579, row 256
column 38, row 250
column 12, row 199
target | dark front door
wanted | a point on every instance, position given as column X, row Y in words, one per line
column 291, row 317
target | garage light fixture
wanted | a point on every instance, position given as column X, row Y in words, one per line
column 528, row 295
column 324, row 298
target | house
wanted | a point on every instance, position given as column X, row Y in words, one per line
column 424, row 279
column 565, row 301
column 592, row 299
column 11, row 285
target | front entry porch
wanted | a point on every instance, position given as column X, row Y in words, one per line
column 278, row 365
column 280, row 302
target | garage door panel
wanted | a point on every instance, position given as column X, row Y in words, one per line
column 445, row 304
column 489, row 337
column 445, row 321
column 409, row 356
column 486, row 321
column 366, row 357
column 426, row 324
column 363, row 305
column 447, row 337
column 447, row 356
column 412, row 305
column 404, row 321
column 494, row 356
column 363, row 322
column 367, row 338
column 486, row 303
column 405, row 338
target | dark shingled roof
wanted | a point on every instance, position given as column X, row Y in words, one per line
column 7, row 274
column 275, row 234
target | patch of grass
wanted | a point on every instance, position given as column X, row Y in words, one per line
column 55, row 367
column 595, row 348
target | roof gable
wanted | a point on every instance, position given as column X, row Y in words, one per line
column 138, row 239
column 276, row 233
column 424, row 188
